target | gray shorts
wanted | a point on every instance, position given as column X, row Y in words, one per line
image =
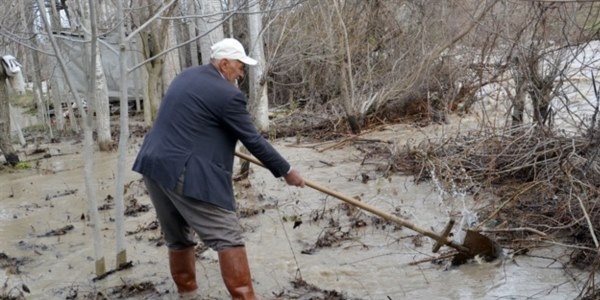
column 180, row 216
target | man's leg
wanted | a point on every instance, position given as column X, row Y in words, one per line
column 220, row 230
column 179, row 239
column 182, row 264
column 236, row 273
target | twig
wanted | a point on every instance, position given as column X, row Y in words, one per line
column 587, row 218
column 444, row 256
column 326, row 163
column 287, row 237
column 338, row 143
column 514, row 229
column 355, row 137
column 507, row 202
column 122, row 267
column 541, row 240
column 374, row 141
column 569, row 246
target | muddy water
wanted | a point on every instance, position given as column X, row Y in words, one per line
column 368, row 262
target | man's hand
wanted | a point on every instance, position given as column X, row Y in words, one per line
column 294, row 178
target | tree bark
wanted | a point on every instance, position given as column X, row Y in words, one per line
column 5, row 140
column 153, row 91
column 123, row 141
column 211, row 27
column 172, row 62
column 57, row 99
column 98, row 104
column 259, row 100
column 192, row 33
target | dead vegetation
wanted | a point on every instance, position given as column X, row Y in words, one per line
column 546, row 185
column 58, row 232
column 306, row 291
column 133, row 290
column 12, row 265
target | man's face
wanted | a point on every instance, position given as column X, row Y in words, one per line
column 232, row 69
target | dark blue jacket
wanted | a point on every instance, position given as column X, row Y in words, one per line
column 200, row 120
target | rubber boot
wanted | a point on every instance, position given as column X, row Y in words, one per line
column 182, row 264
column 236, row 273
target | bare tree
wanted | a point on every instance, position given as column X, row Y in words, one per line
column 121, row 258
column 125, row 41
column 56, row 24
column 372, row 57
column 100, row 102
column 11, row 81
column 100, row 266
column 5, row 138
column 153, row 39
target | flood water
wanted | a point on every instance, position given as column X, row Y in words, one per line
column 363, row 262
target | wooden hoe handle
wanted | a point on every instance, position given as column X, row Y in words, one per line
column 387, row 216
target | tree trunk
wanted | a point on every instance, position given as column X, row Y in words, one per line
column 102, row 108
column 192, row 33
column 88, row 146
column 346, row 99
column 153, row 91
column 154, row 39
column 37, row 89
column 349, row 102
column 172, row 62
column 5, row 140
column 123, row 141
column 259, row 101
column 182, row 34
column 518, row 101
column 99, row 103
column 55, row 17
column 26, row 10
column 139, row 76
column 88, row 154
column 15, row 122
column 211, row 28
column 57, row 97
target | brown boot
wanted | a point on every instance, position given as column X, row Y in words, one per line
column 183, row 270
column 236, row 273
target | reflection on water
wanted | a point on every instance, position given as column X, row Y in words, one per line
column 58, row 166
column 20, row 119
column 4, row 215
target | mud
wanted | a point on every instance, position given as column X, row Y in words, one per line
column 301, row 244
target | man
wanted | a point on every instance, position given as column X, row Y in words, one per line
column 187, row 161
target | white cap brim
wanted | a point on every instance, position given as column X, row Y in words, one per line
column 248, row 61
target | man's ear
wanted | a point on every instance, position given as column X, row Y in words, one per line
column 223, row 65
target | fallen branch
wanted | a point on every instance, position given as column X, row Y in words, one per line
column 57, row 232
column 532, row 230
column 338, row 143
column 589, row 222
column 443, row 256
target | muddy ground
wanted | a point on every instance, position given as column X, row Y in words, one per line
column 302, row 244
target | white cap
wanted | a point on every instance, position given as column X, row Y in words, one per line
column 231, row 49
